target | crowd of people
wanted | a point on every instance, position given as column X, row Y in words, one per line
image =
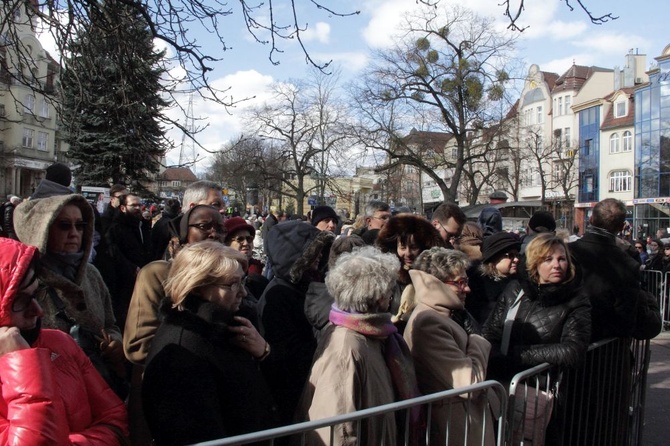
column 203, row 326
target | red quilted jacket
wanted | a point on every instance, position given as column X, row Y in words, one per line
column 51, row 393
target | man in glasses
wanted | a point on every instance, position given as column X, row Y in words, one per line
column 448, row 219
column 377, row 213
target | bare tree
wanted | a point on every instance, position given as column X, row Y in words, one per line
column 514, row 10
column 305, row 126
column 446, row 72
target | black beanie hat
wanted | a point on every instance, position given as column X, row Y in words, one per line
column 542, row 221
column 498, row 243
column 321, row 213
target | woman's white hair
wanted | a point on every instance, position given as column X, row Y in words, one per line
column 361, row 278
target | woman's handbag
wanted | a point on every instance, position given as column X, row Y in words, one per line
column 532, row 412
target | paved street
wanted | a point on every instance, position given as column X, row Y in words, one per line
column 657, row 412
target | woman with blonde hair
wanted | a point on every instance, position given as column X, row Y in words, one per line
column 551, row 316
column 205, row 358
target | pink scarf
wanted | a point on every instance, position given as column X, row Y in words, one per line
column 396, row 354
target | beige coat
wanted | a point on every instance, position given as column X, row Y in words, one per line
column 86, row 299
column 142, row 320
column 349, row 374
column 446, row 357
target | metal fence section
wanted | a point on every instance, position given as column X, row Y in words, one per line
column 299, row 434
column 657, row 283
column 599, row 403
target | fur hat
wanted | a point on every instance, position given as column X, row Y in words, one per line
column 236, row 224
column 498, row 243
column 542, row 221
column 321, row 213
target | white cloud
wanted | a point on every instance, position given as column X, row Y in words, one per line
column 224, row 123
column 319, row 32
column 350, row 62
column 611, row 43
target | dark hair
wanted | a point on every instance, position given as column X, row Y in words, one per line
column 404, row 226
column 116, row 189
column 609, row 214
column 445, row 211
column 341, row 245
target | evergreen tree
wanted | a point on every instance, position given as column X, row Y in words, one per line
column 112, row 107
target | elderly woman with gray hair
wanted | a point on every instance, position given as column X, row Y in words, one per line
column 445, row 355
column 361, row 360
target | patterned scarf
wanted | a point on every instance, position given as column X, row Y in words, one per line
column 396, row 354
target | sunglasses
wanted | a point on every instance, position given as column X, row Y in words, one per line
column 207, row 227
column 460, row 283
column 242, row 239
column 65, row 226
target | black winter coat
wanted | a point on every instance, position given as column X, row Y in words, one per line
column 553, row 324
column 197, row 385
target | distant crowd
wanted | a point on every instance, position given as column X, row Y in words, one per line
column 197, row 325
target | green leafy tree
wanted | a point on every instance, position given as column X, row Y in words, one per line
column 112, row 107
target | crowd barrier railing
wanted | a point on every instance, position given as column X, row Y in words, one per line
column 599, row 403
column 656, row 283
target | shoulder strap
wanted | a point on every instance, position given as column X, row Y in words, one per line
column 60, row 307
column 509, row 321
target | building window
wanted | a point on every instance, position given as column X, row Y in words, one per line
column 29, row 104
column 627, row 141
column 28, row 135
column 566, row 134
column 560, row 106
column 620, row 109
column 527, row 115
column 539, row 115
column 44, row 109
column 42, row 140
column 614, row 143
column 621, row 181
column 176, row 183
column 567, row 105
column 587, row 146
column 454, row 153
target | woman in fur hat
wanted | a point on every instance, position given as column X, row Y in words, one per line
column 406, row 236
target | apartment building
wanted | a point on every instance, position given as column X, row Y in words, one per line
column 29, row 139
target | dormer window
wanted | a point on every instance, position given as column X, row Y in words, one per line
column 620, row 109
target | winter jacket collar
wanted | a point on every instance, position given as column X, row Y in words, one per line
column 434, row 293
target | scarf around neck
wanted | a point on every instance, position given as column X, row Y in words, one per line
column 396, row 355
column 66, row 265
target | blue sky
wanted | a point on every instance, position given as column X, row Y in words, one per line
column 555, row 37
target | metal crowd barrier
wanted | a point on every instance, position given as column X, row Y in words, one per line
column 599, row 403
column 493, row 391
column 657, row 283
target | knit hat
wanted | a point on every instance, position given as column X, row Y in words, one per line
column 235, row 224
column 321, row 213
column 498, row 243
column 59, row 173
column 542, row 221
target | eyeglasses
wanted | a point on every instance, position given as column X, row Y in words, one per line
column 65, row 226
column 511, row 254
column 461, row 283
column 241, row 239
column 22, row 300
column 638, row 246
column 382, row 218
column 234, row 287
column 450, row 235
column 207, row 227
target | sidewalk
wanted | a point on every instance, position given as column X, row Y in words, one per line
column 657, row 407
